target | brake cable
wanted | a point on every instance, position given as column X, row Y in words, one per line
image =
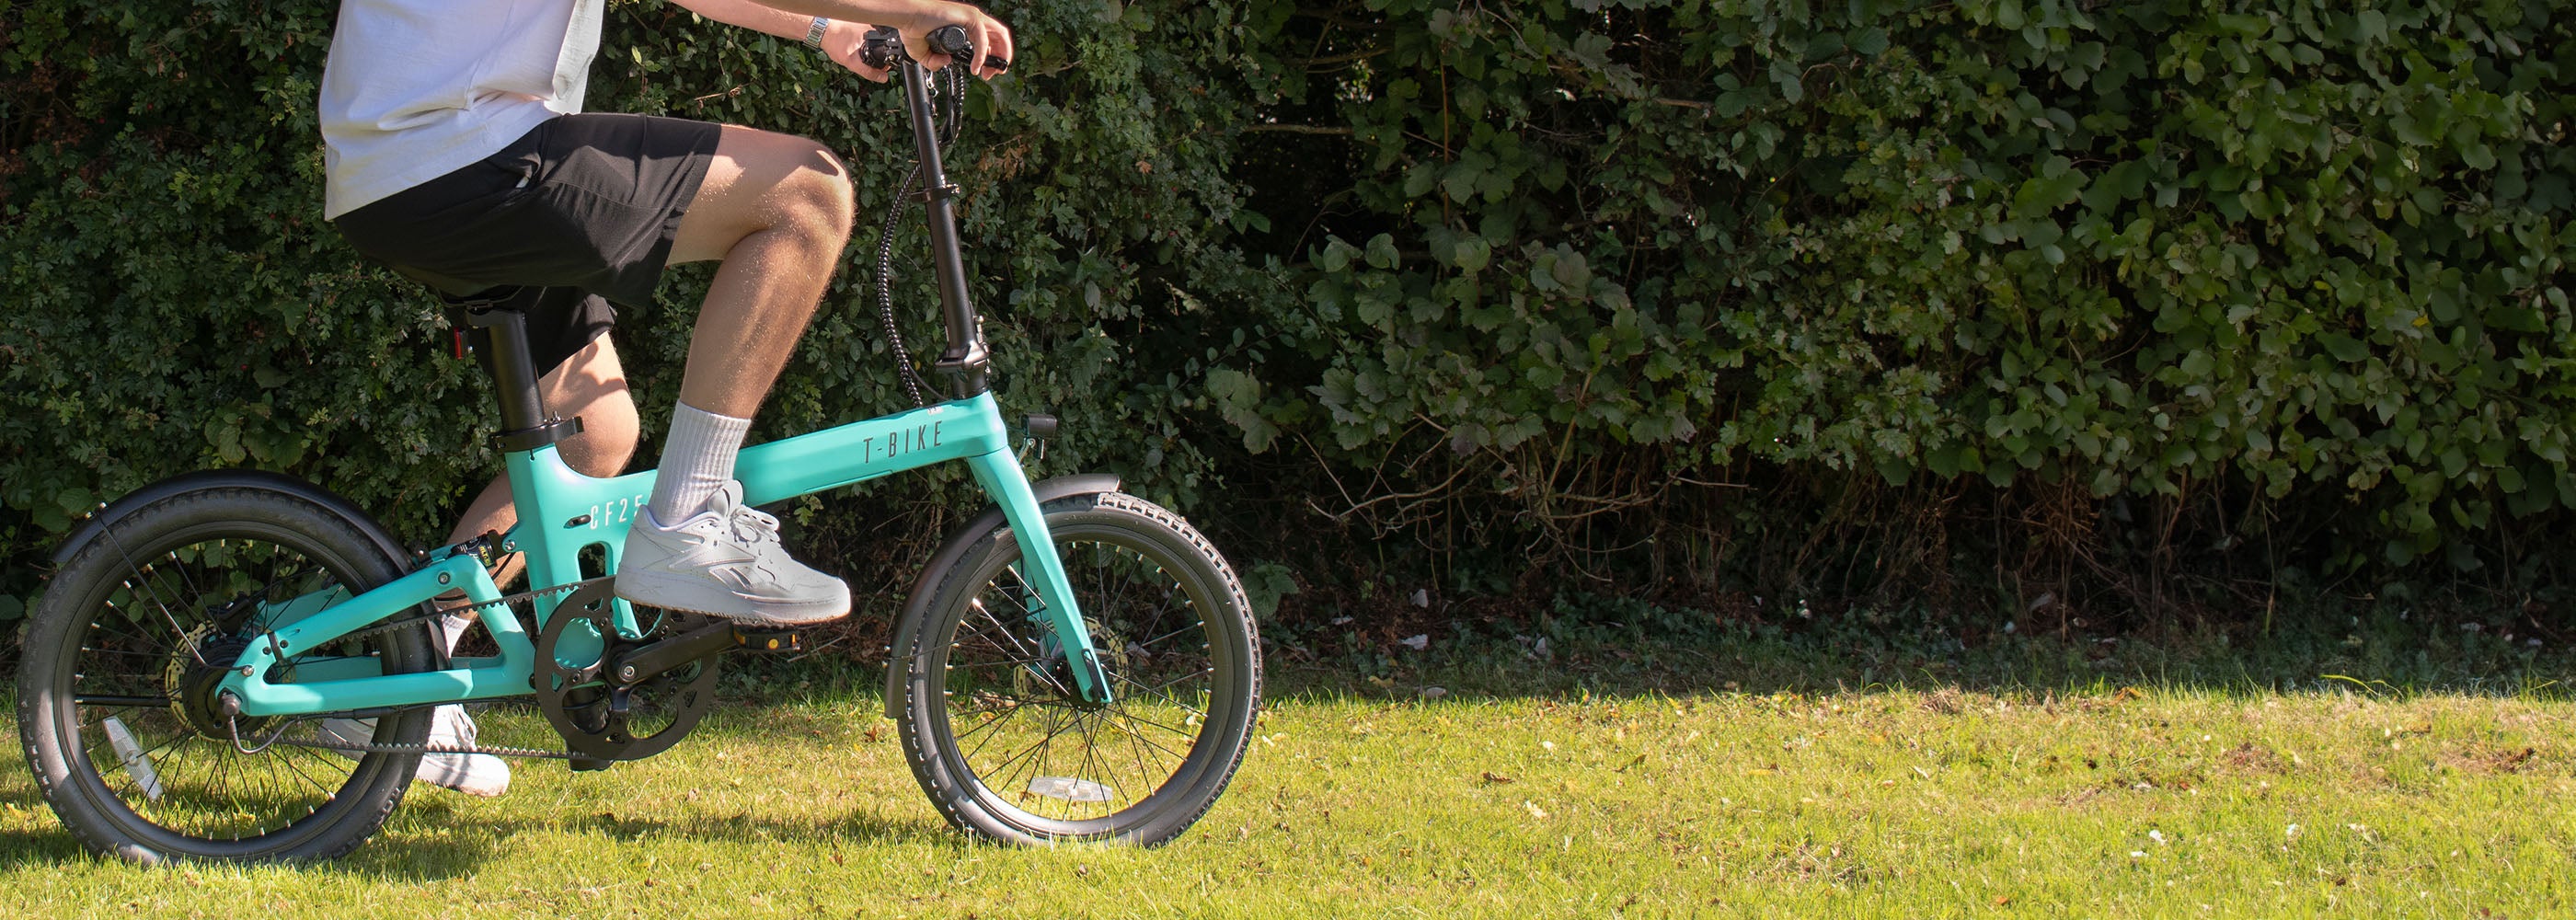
column 948, row 100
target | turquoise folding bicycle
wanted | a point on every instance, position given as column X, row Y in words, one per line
column 1073, row 664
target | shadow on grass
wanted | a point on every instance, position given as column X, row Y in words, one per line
column 429, row 842
column 436, row 841
column 857, row 830
column 46, row 842
column 430, row 838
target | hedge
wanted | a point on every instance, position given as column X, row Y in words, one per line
column 1536, row 280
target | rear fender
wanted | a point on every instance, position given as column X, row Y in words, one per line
column 95, row 525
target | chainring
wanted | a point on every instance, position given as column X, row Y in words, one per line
column 595, row 713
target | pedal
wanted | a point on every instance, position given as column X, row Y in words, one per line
column 768, row 641
column 590, row 764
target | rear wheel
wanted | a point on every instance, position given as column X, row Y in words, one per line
column 117, row 706
column 1004, row 743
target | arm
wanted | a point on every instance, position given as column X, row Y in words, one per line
column 914, row 18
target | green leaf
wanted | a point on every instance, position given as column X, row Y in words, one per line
column 1381, row 251
column 1869, row 41
column 1336, row 256
column 1473, row 254
column 2008, row 15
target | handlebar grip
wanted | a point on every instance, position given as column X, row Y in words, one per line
column 951, row 41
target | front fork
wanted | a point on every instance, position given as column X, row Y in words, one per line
column 1052, row 604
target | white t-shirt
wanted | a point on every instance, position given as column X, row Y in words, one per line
column 417, row 88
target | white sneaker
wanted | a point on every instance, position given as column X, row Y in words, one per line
column 473, row 774
column 727, row 562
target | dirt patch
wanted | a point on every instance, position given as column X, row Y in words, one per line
column 2253, row 758
column 2492, row 759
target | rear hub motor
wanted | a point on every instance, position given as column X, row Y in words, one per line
column 193, row 679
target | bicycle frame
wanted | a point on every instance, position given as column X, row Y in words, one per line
column 563, row 514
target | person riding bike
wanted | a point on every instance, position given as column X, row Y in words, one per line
column 457, row 151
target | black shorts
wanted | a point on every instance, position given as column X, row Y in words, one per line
column 579, row 213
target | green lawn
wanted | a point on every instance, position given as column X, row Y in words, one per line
column 1896, row 803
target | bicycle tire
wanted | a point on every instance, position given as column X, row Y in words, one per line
column 1171, row 626
column 124, row 639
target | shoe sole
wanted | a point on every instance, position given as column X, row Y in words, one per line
column 446, row 771
column 458, row 772
column 696, row 595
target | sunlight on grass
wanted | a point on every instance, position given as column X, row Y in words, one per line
column 1869, row 804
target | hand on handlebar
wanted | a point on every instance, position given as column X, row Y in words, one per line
column 944, row 32
column 846, row 44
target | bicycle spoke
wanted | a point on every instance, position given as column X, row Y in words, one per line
column 131, row 702
column 1005, row 663
column 1004, row 630
column 1140, row 736
column 1041, row 744
column 1157, row 691
column 1149, row 643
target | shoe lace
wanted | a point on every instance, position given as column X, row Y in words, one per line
column 751, row 525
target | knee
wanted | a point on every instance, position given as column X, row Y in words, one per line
column 610, row 430
column 818, row 195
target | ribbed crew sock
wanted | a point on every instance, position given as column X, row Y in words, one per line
column 697, row 459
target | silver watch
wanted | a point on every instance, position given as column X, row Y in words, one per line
column 814, row 33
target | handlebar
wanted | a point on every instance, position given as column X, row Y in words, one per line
column 965, row 362
column 883, row 47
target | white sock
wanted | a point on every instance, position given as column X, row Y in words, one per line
column 697, row 459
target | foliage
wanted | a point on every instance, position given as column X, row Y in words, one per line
column 1551, row 279
column 1596, row 252
column 178, row 304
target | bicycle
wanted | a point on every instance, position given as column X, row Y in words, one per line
column 1074, row 663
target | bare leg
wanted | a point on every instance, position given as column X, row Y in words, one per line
column 776, row 209
column 590, row 385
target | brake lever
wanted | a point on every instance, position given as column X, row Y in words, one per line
column 881, row 48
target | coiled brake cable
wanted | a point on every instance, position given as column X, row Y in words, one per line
column 948, row 100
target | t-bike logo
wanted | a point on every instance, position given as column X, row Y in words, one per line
column 903, row 441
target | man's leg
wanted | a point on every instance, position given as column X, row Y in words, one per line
column 775, row 209
column 591, row 385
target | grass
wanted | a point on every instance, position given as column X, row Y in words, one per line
column 1627, row 790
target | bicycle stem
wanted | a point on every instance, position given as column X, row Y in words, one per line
column 965, row 363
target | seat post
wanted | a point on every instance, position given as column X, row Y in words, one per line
column 525, row 423
column 513, row 374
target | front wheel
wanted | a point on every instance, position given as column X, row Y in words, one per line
column 1003, row 742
